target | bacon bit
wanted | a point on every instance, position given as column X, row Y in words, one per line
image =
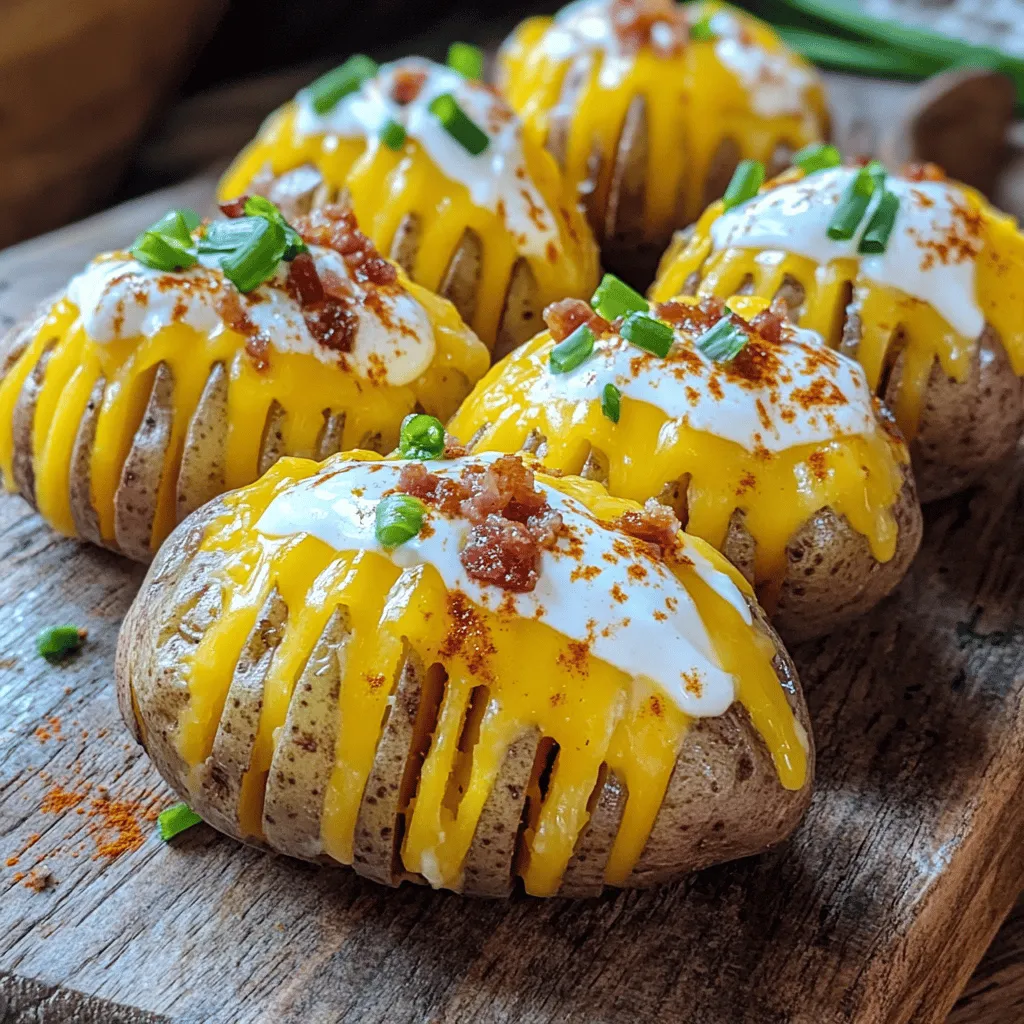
column 656, row 525
column 334, row 227
column 453, row 447
column 564, row 316
column 696, row 318
column 406, row 85
column 304, row 283
column 923, row 172
column 234, row 208
column 502, row 552
column 769, row 323
column 637, row 24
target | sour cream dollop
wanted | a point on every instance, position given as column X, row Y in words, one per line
column 119, row 298
column 647, row 627
column 930, row 256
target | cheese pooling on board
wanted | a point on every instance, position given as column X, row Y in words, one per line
column 784, row 429
column 708, row 75
column 337, row 338
column 607, row 687
column 510, row 194
column 951, row 265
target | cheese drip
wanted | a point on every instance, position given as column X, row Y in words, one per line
column 953, row 263
column 743, row 86
column 597, row 713
column 184, row 333
column 805, row 440
column 511, row 195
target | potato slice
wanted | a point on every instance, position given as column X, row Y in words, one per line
column 724, row 162
column 272, row 445
column 23, row 463
column 330, row 439
column 520, row 312
column 83, row 511
column 204, row 456
column 406, row 243
column 584, row 874
column 461, row 281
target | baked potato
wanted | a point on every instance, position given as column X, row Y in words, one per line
column 329, row 663
column 139, row 393
column 444, row 182
column 772, row 450
column 649, row 105
column 932, row 312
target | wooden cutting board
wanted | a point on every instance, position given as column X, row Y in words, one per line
column 877, row 910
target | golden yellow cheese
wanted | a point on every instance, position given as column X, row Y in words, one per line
column 694, row 102
column 596, row 713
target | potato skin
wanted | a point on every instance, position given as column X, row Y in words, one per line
column 723, row 800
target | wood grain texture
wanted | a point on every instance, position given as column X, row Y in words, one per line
column 876, row 911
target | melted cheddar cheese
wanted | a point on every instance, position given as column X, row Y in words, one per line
column 803, row 438
column 742, row 85
column 511, row 196
column 597, row 713
column 184, row 331
column 952, row 265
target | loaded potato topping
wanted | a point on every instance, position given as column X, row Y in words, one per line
column 542, row 603
column 884, row 263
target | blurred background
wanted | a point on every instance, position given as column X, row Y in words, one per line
column 101, row 100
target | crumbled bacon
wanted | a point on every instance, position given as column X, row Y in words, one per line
column 656, row 524
column 564, row 316
column 657, row 23
column 335, row 227
column 697, row 318
column 304, row 280
column 503, row 552
column 923, row 172
column 234, row 207
column 407, row 85
column 769, row 323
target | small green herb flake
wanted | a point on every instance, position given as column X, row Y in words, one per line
column 611, row 402
column 421, row 437
column 258, row 206
column 701, row 30
column 168, row 245
column 614, row 298
column 647, row 333
column 876, row 235
column 573, row 351
column 175, row 820
column 392, row 135
column 398, row 519
column 328, row 90
column 818, row 156
column 724, row 341
column 468, row 60
column 458, row 124
column 57, row 642
column 747, row 179
column 853, row 205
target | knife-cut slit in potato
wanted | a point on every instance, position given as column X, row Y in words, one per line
column 357, row 707
column 648, row 108
column 137, row 394
column 933, row 318
column 778, row 457
column 495, row 230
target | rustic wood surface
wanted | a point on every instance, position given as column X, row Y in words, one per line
column 878, row 909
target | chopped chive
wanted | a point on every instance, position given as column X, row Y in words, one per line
column 647, row 333
column 614, row 298
column 458, row 124
column 258, row 206
column 328, row 90
column 398, row 519
column 611, row 402
column 701, row 30
column 392, row 134
column 467, row 59
column 573, row 351
column 724, row 341
column 818, row 156
column 177, row 224
column 746, row 180
column 876, row 234
column 57, row 642
column 168, row 244
column 257, row 258
column 852, row 205
column 176, row 820
column 421, row 437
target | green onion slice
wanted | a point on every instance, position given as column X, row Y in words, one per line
column 421, row 437
column 573, row 351
column 818, row 156
column 853, row 205
column 168, row 244
column 398, row 519
column 392, row 134
column 614, row 298
column 611, row 402
column 258, row 206
column 256, row 259
column 60, row 641
column 458, row 124
column 647, row 333
column 467, row 59
column 746, row 180
column 724, row 341
column 876, row 234
column 328, row 90
column 175, row 820
column 701, row 30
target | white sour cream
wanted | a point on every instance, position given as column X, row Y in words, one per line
column 918, row 259
column 338, row 506
column 497, row 179
column 118, row 298
column 776, row 415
